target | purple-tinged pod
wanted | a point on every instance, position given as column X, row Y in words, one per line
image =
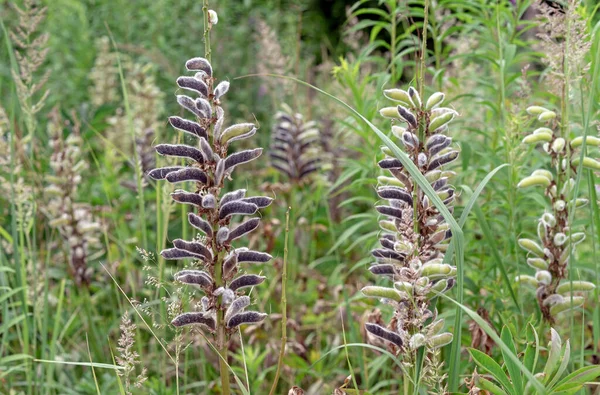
column 410, row 140
column 230, row 263
column 385, row 254
column 245, row 255
column 199, row 64
column 201, row 224
column 385, row 269
column 237, row 306
column 194, row 318
column 187, row 126
column 243, row 229
column 260, row 201
column 387, row 241
column 181, row 196
column 398, row 95
column 242, row 157
column 206, row 150
column 209, row 201
column 193, row 84
column 204, row 108
column 407, row 116
column 390, row 163
column 248, row 317
column 436, row 149
column 194, row 277
column 219, row 171
column 390, row 211
column 237, row 207
column 176, row 253
column 187, row 174
column 442, row 160
column 233, row 195
column 222, row 235
column 237, row 132
column 395, row 193
column 161, row 173
column 189, row 104
column 193, row 247
column 414, row 97
column 221, row 89
column 246, row 280
column 384, row 334
column 181, row 151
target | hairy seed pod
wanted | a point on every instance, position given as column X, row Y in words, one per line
column 246, row 280
column 434, row 100
column 568, row 304
column 242, row 157
column 440, row 340
column 199, row 223
column 537, row 138
column 209, row 201
column 384, row 334
column 395, row 193
column 443, row 160
column 588, row 162
column 189, row 104
column 382, row 270
column 575, row 286
column 221, row 89
column 181, row 196
column 193, row 84
column 199, row 64
column 187, row 174
column 546, row 116
column 186, row 126
column 222, row 235
column 235, row 208
column 237, row 132
column 536, row 110
column 414, row 97
column 381, row 292
column 161, row 173
column 234, row 195
column 176, row 253
column 538, row 263
column 193, row 247
column 250, row 256
column 529, row 280
column 180, row 150
column 390, row 163
column 416, row 341
column 531, row 246
column 398, row 95
column 407, row 116
column 589, row 140
column 442, row 120
column 194, row 318
column 533, row 181
column 237, row 306
column 249, row 317
column 543, row 277
column 243, row 229
column 194, row 277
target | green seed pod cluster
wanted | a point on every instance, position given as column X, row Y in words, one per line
column 549, row 255
column 415, row 235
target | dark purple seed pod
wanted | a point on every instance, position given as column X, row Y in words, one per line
column 410, row 139
column 250, row 256
column 390, row 211
column 220, row 115
column 194, row 318
column 390, row 163
column 384, row 334
column 385, row 253
column 221, row 89
column 308, row 170
column 207, row 151
column 233, row 195
column 199, row 223
column 248, row 317
column 209, row 201
column 401, row 176
column 243, row 229
column 193, row 84
column 260, row 201
column 408, row 116
column 438, row 147
column 220, row 171
column 242, row 157
column 443, row 160
column 161, row 173
column 439, row 184
column 237, row 207
column 187, row 174
column 237, row 306
column 382, row 270
column 204, row 108
column 387, row 242
column 176, row 253
column 243, row 136
column 181, row 196
column 180, row 150
column 193, row 247
column 186, row 126
column 246, row 280
column 194, row 277
column 189, row 104
column 230, row 263
column 199, row 64
column 222, row 235
column 451, row 283
column 395, row 193
column 435, row 140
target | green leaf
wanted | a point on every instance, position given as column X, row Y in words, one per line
column 583, row 375
column 487, row 385
column 486, row 362
column 513, row 369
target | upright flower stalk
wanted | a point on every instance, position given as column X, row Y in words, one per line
column 415, row 235
column 550, row 256
column 209, row 166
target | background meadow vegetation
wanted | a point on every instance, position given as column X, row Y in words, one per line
column 86, row 88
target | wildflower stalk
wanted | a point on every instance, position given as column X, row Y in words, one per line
column 415, row 234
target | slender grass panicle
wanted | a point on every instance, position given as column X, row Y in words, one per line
column 557, row 240
column 294, row 147
column 415, row 235
column 75, row 222
column 209, row 166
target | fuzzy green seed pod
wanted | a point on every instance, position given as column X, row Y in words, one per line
column 558, row 145
column 543, row 131
column 404, row 286
column 236, row 131
column 435, row 327
column 588, row 162
column 388, row 226
column 398, row 95
column 543, row 277
column 537, row 138
column 415, row 98
column 398, row 131
column 560, row 239
column 536, row 110
column 546, row 116
column 433, row 175
column 580, row 202
column 417, row 340
column 567, row 305
column 560, row 205
column 373, row 291
column 537, row 263
column 533, row 180
column 589, row 140
column 435, row 271
column 575, row 286
column 442, row 120
column 383, row 180
column 528, row 280
column 440, row 340
column 434, row 100
column 577, row 238
column 532, row 246
column 387, row 151
column 389, row 112
column 543, row 172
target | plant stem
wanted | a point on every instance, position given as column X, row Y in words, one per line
column 283, row 303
